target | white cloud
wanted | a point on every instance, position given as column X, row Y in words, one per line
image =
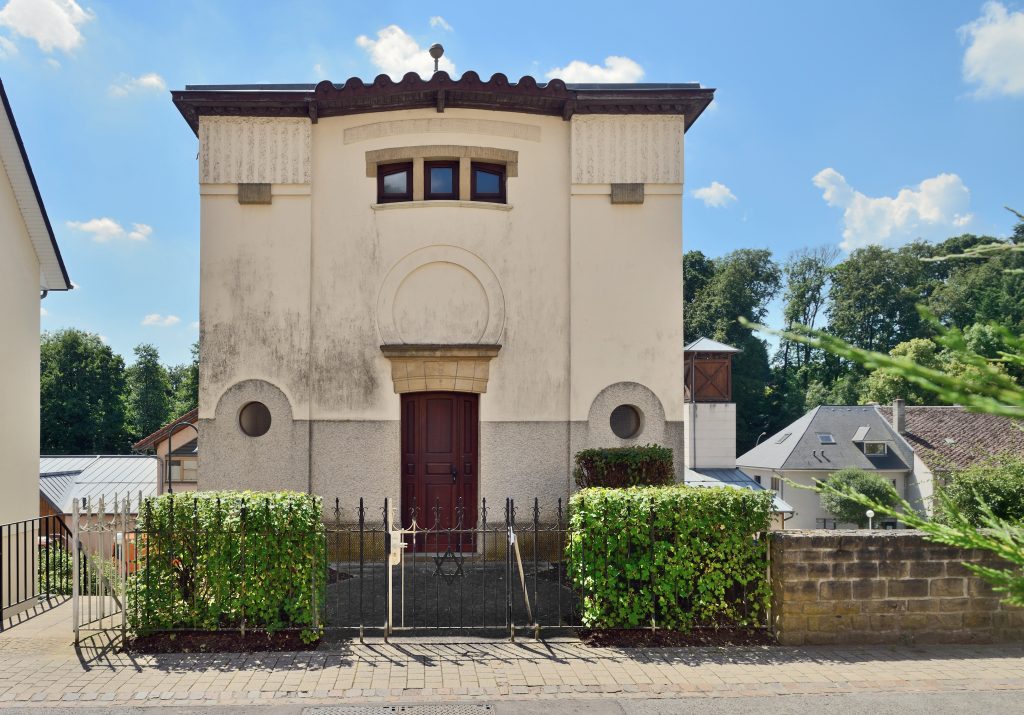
column 319, row 71
column 53, row 63
column 932, row 209
column 715, row 195
column 7, row 48
column 615, row 69
column 994, row 59
column 149, row 82
column 161, row 321
column 394, row 53
column 43, row 312
column 53, row 24
column 438, row 21
column 194, row 325
column 106, row 229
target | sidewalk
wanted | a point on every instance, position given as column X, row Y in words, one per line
column 40, row 666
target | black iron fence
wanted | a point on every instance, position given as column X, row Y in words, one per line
column 429, row 570
column 35, row 561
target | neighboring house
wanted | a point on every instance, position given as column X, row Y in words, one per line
column 30, row 266
column 182, row 474
column 710, row 416
column 945, row 439
column 826, row 439
column 437, row 290
column 87, row 479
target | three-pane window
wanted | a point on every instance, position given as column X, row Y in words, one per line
column 441, row 182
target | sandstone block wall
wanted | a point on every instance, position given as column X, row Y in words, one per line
column 883, row 587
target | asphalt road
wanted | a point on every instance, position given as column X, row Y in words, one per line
column 960, row 703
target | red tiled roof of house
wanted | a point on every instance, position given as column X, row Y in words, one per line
column 954, row 438
column 161, row 434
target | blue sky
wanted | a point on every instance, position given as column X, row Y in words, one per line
column 834, row 123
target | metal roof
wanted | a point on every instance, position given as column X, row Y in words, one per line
column 52, row 273
column 804, row 451
column 733, row 478
column 707, row 345
column 63, row 479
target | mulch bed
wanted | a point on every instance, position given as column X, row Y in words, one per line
column 625, row 638
column 218, row 642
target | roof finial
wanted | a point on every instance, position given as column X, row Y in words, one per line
column 436, row 51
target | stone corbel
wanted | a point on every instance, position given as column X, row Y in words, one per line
column 442, row 368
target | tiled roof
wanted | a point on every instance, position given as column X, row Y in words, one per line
column 161, row 434
column 800, row 446
column 954, row 438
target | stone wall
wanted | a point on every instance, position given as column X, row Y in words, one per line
column 883, row 587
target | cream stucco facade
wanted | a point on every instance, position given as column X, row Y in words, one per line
column 30, row 265
column 556, row 306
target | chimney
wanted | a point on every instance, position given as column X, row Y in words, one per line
column 899, row 415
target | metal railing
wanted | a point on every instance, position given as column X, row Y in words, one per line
column 35, row 562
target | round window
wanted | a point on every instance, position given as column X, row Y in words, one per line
column 254, row 419
column 626, row 421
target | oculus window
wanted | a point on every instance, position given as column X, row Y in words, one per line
column 441, row 180
column 626, row 421
column 394, row 182
column 254, row 419
column 487, row 182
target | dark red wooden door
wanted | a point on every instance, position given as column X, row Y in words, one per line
column 439, row 466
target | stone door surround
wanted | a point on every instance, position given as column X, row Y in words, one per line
column 441, row 368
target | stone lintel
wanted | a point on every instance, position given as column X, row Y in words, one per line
column 443, row 368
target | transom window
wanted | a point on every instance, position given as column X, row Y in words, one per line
column 394, row 182
column 440, row 180
column 487, row 182
column 875, row 449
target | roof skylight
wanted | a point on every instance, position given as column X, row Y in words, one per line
column 826, row 438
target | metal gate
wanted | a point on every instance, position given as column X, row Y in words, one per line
column 408, row 573
column 101, row 547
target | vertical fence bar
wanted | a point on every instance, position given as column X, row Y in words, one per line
column 241, row 546
column 75, row 576
column 536, row 538
column 654, row 600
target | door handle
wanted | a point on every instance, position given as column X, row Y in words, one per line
column 454, row 472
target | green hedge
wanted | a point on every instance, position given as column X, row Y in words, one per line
column 211, row 560
column 624, row 467
column 677, row 557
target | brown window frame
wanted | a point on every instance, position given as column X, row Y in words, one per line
column 500, row 170
column 384, row 170
column 428, row 195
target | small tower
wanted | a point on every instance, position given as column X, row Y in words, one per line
column 710, row 413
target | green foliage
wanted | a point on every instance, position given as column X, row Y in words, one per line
column 650, row 465
column 849, row 511
column 149, row 398
column 184, row 385
column 998, row 485
column 214, row 560
column 675, row 557
column 82, row 385
column 741, row 283
column 59, row 567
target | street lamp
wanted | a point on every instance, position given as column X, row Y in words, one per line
column 170, row 436
column 870, row 514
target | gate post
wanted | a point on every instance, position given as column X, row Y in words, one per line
column 387, row 566
column 76, row 567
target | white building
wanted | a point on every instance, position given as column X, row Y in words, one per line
column 30, row 266
column 438, row 289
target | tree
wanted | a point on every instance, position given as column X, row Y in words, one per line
column 184, row 383
column 739, row 284
column 850, row 511
column 874, row 295
column 82, row 386
column 149, row 392
column 807, row 273
column 999, row 485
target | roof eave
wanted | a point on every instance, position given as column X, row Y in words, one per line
column 554, row 98
column 52, row 282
